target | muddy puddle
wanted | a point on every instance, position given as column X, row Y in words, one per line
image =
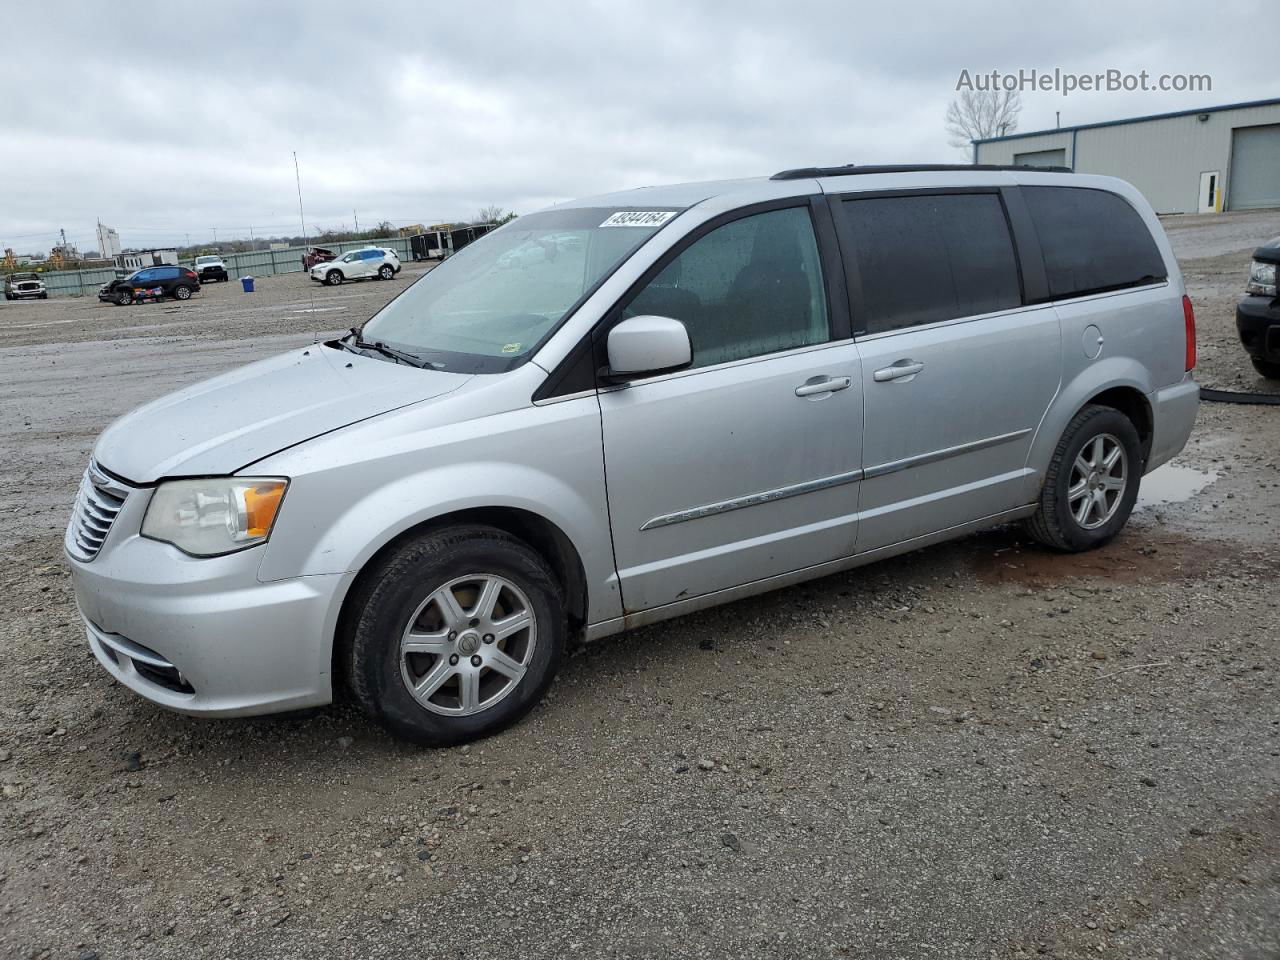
column 1172, row 483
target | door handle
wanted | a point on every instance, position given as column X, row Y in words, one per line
column 825, row 385
column 898, row 371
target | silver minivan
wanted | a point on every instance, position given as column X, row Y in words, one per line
column 626, row 408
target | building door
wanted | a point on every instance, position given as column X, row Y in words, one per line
column 1255, row 167
column 1209, row 191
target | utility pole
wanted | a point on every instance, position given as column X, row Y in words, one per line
column 215, row 236
column 252, row 245
column 356, row 219
column 298, row 179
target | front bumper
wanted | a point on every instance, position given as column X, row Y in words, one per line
column 205, row 636
column 1258, row 323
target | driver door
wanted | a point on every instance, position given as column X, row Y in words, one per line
column 744, row 466
column 353, row 265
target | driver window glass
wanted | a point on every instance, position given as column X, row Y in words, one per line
column 750, row 287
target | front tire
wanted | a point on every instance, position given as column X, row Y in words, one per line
column 455, row 635
column 1265, row 367
column 124, row 298
column 333, row 278
column 1092, row 482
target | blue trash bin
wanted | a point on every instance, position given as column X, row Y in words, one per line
column 247, row 283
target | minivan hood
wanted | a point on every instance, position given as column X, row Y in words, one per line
column 223, row 424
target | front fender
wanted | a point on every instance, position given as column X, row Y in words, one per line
column 356, row 490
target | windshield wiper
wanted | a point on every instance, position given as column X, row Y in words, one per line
column 399, row 356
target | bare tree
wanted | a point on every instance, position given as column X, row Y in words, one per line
column 979, row 114
column 490, row 214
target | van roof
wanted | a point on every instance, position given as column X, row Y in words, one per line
column 685, row 195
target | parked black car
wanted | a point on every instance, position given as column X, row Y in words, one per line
column 177, row 282
column 1258, row 312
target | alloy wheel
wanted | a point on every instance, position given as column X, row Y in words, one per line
column 468, row 645
column 1099, row 476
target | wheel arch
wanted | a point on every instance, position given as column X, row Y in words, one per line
column 535, row 530
column 1119, row 383
column 1133, row 404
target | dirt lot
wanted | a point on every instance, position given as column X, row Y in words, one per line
column 980, row 750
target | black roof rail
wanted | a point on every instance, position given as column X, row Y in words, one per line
column 852, row 169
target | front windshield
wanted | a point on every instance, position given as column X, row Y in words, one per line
column 487, row 307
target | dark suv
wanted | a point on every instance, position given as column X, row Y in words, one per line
column 153, row 282
column 1258, row 312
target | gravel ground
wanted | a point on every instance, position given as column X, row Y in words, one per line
column 978, row 750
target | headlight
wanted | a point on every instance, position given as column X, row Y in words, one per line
column 210, row 517
column 1262, row 278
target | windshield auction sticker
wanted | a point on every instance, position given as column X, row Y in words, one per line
column 639, row 218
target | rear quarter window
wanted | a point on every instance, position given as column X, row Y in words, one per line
column 1092, row 241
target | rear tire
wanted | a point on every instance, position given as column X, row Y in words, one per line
column 1092, row 482
column 496, row 583
column 182, row 292
column 386, row 272
column 1265, row 367
column 333, row 278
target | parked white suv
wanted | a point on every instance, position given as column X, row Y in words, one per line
column 370, row 263
column 688, row 395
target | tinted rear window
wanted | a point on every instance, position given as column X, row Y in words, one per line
column 1092, row 241
column 934, row 257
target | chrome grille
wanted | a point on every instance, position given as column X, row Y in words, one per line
column 99, row 500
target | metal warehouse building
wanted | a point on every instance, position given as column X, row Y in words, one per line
column 1192, row 161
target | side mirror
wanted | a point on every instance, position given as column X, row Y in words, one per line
column 643, row 346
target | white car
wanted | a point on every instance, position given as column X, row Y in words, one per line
column 369, row 263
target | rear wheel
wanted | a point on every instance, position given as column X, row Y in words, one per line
column 386, row 271
column 1092, row 482
column 456, row 635
column 333, row 277
column 182, row 292
column 1265, row 367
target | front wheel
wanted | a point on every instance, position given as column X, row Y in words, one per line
column 1092, row 482
column 456, row 635
column 386, row 272
column 124, row 298
column 333, row 277
column 1265, row 367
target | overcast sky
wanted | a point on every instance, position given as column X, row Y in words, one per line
column 165, row 123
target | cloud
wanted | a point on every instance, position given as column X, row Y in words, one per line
column 165, row 124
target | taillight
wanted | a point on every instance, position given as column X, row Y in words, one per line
column 1189, row 315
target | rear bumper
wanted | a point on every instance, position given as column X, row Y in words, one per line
column 1173, row 411
column 1258, row 323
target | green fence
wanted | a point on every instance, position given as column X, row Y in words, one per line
column 253, row 263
